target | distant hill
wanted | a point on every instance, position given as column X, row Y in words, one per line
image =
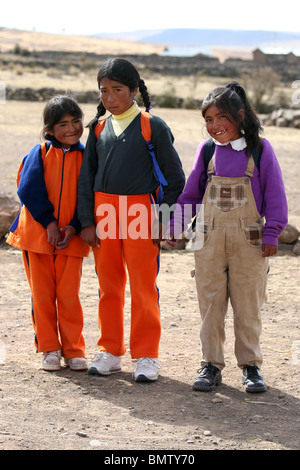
column 33, row 40
column 222, row 44
column 206, row 37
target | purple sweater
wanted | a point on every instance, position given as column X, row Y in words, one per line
column 267, row 187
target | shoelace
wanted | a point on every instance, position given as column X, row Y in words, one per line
column 208, row 370
column 147, row 362
column 53, row 353
column 103, row 355
column 252, row 372
column 52, row 356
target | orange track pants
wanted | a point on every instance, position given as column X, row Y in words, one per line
column 141, row 257
column 57, row 315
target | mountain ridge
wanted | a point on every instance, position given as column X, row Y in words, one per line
column 206, row 37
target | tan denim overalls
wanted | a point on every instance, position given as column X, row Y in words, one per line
column 230, row 265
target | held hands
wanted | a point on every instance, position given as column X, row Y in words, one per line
column 60, row 238
column 158, row 233
column 89, row 235
column 171, row 240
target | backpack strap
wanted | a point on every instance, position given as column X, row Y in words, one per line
column 256, row 154
column 146, row 133
column 209, row 150
column 99, row 128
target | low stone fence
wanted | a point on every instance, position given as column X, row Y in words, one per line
column 44, row 94
column 282, row 118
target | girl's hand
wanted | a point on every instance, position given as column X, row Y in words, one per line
column 53, row 233
column 158, row 233
column 66, row 233
column 269, row 250
column 171, row 241
column 89, row 235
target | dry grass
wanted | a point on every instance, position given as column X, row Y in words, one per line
column 183, row 87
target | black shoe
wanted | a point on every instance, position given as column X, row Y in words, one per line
column 209, row 377
column 252, row 379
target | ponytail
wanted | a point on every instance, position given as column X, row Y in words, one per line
column 251, row 125
column 235, row 86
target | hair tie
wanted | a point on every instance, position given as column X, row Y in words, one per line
column 235, row 86
column 149, row 107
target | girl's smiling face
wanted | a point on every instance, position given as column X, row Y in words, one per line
column 116, row 97
column 67, row 131
column 220, row 127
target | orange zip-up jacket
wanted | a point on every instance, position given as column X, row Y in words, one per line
column 47, row 188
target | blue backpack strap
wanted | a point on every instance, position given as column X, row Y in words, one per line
column 146, row 133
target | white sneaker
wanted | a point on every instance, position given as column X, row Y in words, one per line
column 51, row 360
column 146, row 369
column 105, row 363
column 77, row 363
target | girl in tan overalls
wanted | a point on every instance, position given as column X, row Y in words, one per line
column 232, row 242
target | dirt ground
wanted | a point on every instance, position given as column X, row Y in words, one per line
column 69, row 410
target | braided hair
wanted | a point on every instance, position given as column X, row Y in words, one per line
column 123, row 71
column 231, row 99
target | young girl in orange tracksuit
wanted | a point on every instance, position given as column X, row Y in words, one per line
column 47, row 230
column 117, row 175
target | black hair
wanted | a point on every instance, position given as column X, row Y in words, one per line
column 123, row 71
column 231, row 99
column 57, row 107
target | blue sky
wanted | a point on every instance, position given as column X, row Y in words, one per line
column 96, row 16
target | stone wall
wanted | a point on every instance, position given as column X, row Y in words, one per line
column 282, row 118
column 152, row 63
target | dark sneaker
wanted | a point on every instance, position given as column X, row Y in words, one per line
column 252, row 379
column 210, row 376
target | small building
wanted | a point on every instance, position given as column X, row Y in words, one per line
column 265, row 59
